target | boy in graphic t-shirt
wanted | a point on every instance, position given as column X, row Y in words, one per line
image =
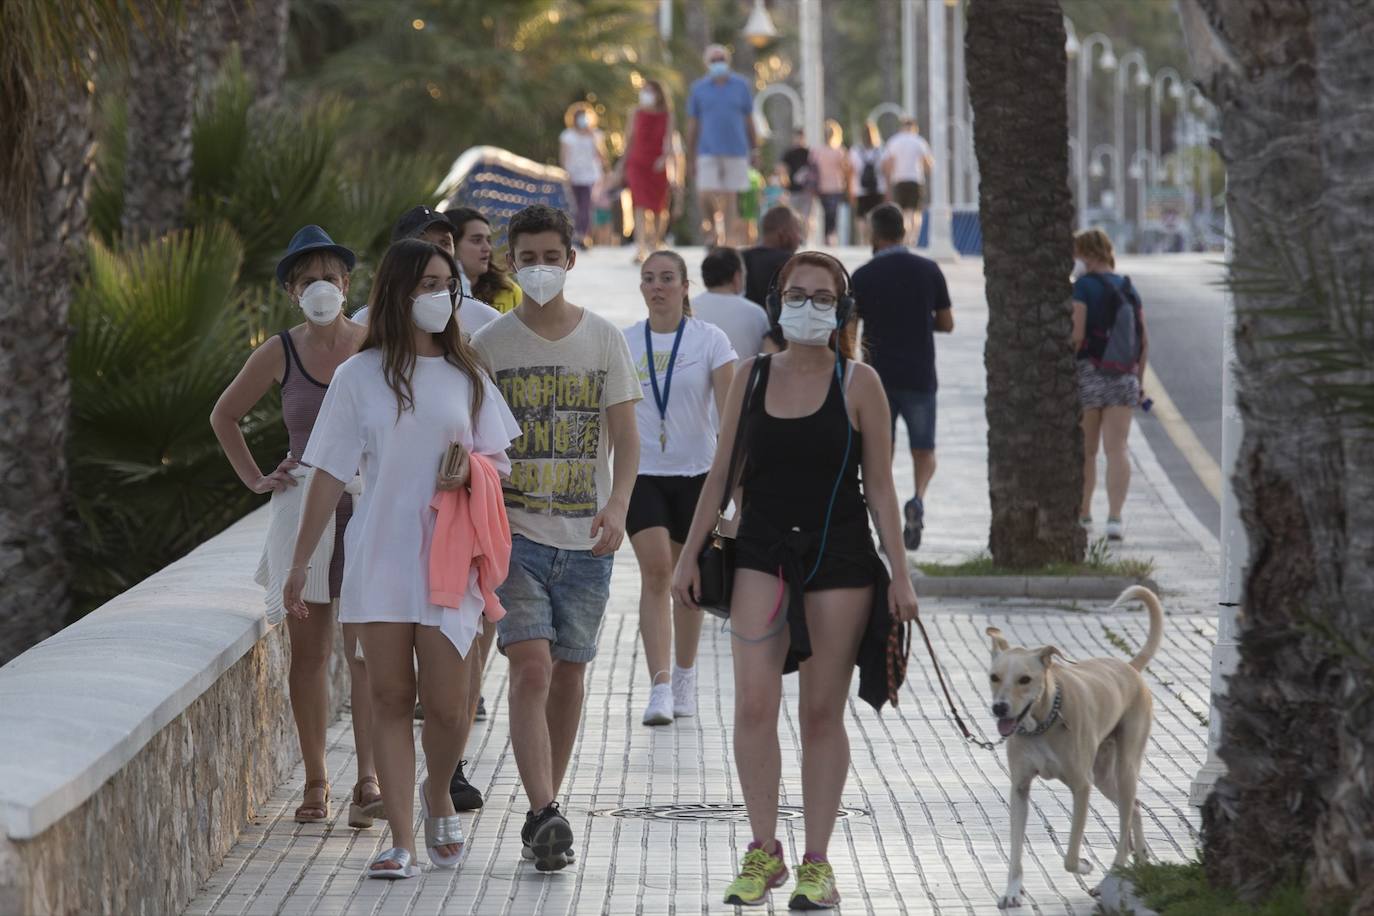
column 567, row 376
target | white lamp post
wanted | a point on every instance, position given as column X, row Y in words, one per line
column 1087, row 57
column 1139, row 172
column 940, row 238
column 959, row 123
column 1129, row 60
column 909, row 57
column 759, row 29
column 813, row 82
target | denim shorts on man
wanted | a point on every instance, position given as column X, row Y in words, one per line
column 557, row 595
column 917, row 410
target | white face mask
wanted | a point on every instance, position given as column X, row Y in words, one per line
column 432, row 311
column 648, row 99
column 807, row 324
column 1079, row 268
column 541, row 282
column 718, row 67
column 321, row 301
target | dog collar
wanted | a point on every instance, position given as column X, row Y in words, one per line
column 1049, row 721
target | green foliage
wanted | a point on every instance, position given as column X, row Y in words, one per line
column 159, row 332
column 1174, row 889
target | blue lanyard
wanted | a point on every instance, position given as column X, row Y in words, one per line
column 661, row 400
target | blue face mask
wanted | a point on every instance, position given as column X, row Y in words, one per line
column 719, row 67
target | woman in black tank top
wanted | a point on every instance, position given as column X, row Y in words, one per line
column 808, row 581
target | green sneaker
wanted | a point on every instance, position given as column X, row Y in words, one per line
column 762, row 871
column 815, row 887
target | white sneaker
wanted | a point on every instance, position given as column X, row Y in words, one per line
column 684, row 692
column 1114, row 529
column 660, row 708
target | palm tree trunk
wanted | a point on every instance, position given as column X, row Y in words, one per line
column 1035, row 448
column 161, row 106
column 1291, row 82
column 40, row 253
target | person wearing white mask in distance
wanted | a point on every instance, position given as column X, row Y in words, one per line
column 568, row 378
column 302, row 361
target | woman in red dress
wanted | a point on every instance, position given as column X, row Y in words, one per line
column 649, row 147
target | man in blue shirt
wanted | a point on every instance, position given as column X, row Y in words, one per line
column 720, row 136
column 902, row 299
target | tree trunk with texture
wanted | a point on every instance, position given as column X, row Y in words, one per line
column 258, row 29
column 36, row 279
column 1035, row 447
column 1292, row 80
column 161, row 106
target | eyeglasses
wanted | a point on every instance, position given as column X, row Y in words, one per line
column 452, row 284
column 796, row 298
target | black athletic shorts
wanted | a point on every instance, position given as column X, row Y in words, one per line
column 909, row 195
column 663, row 502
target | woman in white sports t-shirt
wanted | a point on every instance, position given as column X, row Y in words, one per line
column 687, row 376
column 391, row 412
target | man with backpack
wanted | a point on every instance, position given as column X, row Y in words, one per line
column 867, row 186
column 903, row 300
column 1111, row 344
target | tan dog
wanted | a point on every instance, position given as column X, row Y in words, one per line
column 1083, row 723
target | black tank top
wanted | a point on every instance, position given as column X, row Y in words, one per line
column 792, row 463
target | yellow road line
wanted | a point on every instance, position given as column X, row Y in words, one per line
column 1182, row 435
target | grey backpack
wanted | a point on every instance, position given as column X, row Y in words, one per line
column 1120, row 350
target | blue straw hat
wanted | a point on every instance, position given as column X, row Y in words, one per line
column 308, row 240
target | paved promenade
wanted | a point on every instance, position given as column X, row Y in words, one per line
column 657, row 812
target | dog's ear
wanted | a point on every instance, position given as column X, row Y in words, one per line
column 1047, row 654
column 999, row 642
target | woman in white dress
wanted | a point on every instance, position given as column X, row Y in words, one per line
column 392, row 411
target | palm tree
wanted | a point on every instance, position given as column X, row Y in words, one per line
column 1035, row 449
column 1290, row 79
column 46, row 51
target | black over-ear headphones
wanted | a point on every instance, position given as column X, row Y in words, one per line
column 844, row 305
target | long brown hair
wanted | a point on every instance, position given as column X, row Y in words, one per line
column 681, row 266
column 390, row 330
column 845, row 335
column 494, row 282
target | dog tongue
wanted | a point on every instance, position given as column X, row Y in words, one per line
column 1006, row 726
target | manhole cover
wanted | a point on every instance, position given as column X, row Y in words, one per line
column 709, row 812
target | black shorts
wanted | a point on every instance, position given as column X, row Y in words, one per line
column 909, row 195
column 663, row 502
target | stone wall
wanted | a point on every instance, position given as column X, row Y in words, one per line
column 151, row 834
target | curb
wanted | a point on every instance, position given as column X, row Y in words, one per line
column 1116, row 895
column 1081, row 588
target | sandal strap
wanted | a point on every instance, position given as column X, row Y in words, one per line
column 443, row 831
column 371, row 779
column 317, row 784
column 394, row 854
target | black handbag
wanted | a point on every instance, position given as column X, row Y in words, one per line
column 716, row 562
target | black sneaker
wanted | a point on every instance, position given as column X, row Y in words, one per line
column 481, row 709
column 465, row 795
column 548, row 837
column 915, row 511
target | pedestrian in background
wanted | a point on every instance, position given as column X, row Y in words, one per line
column 867, row 183
column 302, row 362
column 582, row 153
column 720, row 135
column 781, row 237
column 723, row 303
column 903, row 300
column 797, row 169
column 832, row 178
column 488, row 283
column 648, row 153
column 1109, row 388
column 907, row 161
column 685, row 366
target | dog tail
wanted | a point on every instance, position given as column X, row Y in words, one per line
column 1156, row 610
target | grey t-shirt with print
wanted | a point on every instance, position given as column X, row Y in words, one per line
column 559, row 391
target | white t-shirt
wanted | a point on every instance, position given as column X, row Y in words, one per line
column 907, row 152
column 581, row 159
column 386, row 547
column 858, row 158
column 472, row 314
column 559, row 391
column 743, row 321
column 691, row 422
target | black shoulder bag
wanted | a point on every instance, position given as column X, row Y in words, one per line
column 716, row 563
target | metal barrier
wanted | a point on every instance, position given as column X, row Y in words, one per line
column 967, row 231
column 499, row 183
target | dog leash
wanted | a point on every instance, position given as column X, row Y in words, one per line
column 954, row 710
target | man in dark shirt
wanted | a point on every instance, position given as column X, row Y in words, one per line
column 902, row 299
column 781, row 236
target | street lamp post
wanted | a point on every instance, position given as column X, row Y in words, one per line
column 1139, row 172
column 909, row 57
column 1130, row 59
column 960, row 120
column 940, row 236
column 1097, row 170
column 1087, row 57
column 813, row 82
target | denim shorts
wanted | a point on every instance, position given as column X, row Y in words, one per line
column 917, row 410
column 553, row 594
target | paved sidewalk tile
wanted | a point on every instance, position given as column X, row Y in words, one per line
column 657, row 812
